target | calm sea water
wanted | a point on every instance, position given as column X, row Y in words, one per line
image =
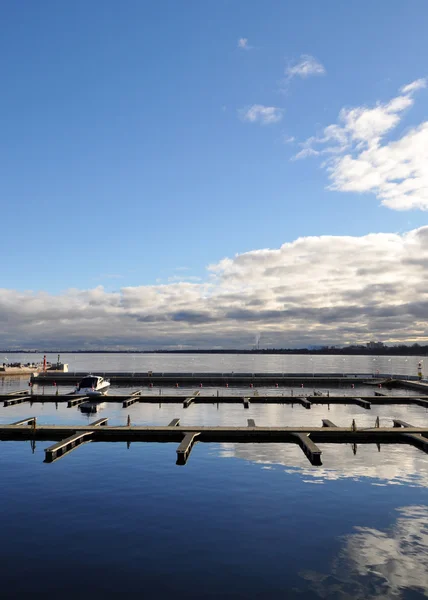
column 292, row 363
column 237, row 521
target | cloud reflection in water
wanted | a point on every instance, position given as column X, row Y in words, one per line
column 379, row 564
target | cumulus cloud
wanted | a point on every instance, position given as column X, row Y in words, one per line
column 359, row 159
column 258, row 113
column 243, row 44
column 305, row 67
column 323, row 290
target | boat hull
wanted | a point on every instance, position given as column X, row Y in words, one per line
column 90, row 392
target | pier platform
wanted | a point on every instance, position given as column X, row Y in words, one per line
column 255, row 397
column 69, row 437
column 167, row 379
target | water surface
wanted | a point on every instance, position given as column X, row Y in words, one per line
column 237, row 521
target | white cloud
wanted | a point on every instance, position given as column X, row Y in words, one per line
column 362, row 161
column 304, row 153
column 258, row 113
column 305, row 67
column 419, row 84
column 314, row 290
column 243, row 44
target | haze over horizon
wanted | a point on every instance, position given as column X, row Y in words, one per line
column 202, row 175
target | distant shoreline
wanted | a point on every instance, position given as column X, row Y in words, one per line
column 385, row 351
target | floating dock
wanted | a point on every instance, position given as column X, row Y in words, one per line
column 257, row 397
column 67, row 437
column 216, row 379
column 306, row 437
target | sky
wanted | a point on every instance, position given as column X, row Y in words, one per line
column 213, row 174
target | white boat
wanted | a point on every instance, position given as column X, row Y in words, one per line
column 92, row 385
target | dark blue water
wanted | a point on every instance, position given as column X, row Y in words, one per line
column 237, row 521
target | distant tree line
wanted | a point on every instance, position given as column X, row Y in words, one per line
column 399, row 350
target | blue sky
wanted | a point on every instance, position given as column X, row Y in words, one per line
column 143, row 142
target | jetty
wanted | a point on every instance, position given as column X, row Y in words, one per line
column 71, row 436
column 172, row 379
column 255, row 396
column 216, row 389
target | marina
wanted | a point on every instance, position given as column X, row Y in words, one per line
column 274, row 451
column 384, row 392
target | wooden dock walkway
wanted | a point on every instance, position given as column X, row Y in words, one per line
column 232, row 379
column 306, row 437
column 305, row 400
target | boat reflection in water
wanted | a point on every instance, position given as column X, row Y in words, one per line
column 91, row 407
